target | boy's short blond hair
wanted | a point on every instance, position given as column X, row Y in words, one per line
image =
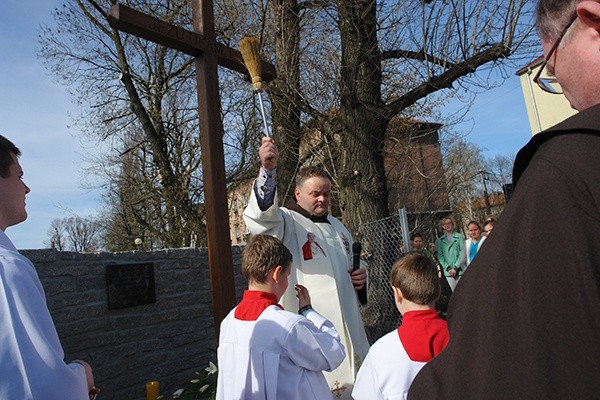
column 416, row 276
column 263, row 254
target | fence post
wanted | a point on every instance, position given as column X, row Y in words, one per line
column 403, row 216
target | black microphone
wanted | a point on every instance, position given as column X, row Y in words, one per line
column 356, row 249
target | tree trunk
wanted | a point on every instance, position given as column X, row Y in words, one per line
column 361, row 175
column 178, row 206
column 285, row 96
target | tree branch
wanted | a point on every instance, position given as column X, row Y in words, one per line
column 445, row 80
column 420, row 55
column 314, row 4
column 89, row 15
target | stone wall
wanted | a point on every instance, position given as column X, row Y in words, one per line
column 166, row 341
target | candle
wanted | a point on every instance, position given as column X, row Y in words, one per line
column 152, row 390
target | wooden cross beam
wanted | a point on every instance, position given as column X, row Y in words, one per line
column 194, row 43
column 209, row 54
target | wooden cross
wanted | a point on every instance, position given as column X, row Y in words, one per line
column 209, row 54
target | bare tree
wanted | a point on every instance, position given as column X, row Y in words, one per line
column 500, row 171
column 463, row 162
column 56, row 235
column 392, row 58
column 75, row 234
column 345, row 69
column 142, row 99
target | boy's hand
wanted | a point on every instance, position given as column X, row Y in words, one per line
column 303, row 296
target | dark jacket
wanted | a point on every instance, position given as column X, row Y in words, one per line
column 525, row 321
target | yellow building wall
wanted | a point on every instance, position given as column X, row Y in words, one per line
column 543, row 109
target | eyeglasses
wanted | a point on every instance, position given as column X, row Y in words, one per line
column 550, row 84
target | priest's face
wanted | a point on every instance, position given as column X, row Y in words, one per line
column 314, row 195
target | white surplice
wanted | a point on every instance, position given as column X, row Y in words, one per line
column 31, row 356
column 279, row 356
column 387, row 372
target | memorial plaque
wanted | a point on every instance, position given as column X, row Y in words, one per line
column 130, row 285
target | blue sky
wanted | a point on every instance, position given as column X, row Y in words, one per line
column 35, row 115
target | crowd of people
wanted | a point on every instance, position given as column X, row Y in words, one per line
column 523, row 321
column 451, row 251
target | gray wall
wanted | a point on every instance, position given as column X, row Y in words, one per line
column 166, row 341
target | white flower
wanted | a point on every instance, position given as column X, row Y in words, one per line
column 211, row 369
column 203, row 388
column 177, row 393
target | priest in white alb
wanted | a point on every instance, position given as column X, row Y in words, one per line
column 329, row 275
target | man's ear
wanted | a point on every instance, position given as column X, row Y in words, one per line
column 588, row 11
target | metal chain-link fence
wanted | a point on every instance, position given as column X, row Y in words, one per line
column 382, row 243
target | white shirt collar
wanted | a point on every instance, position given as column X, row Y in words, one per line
column 6, row 242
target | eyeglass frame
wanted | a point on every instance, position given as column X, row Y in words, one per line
column 94, row 391
column 537, row 79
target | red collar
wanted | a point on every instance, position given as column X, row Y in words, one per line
column 253, row 304
column 423, row 334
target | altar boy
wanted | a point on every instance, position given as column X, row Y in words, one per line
column 266, row 352
column 396, row 358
